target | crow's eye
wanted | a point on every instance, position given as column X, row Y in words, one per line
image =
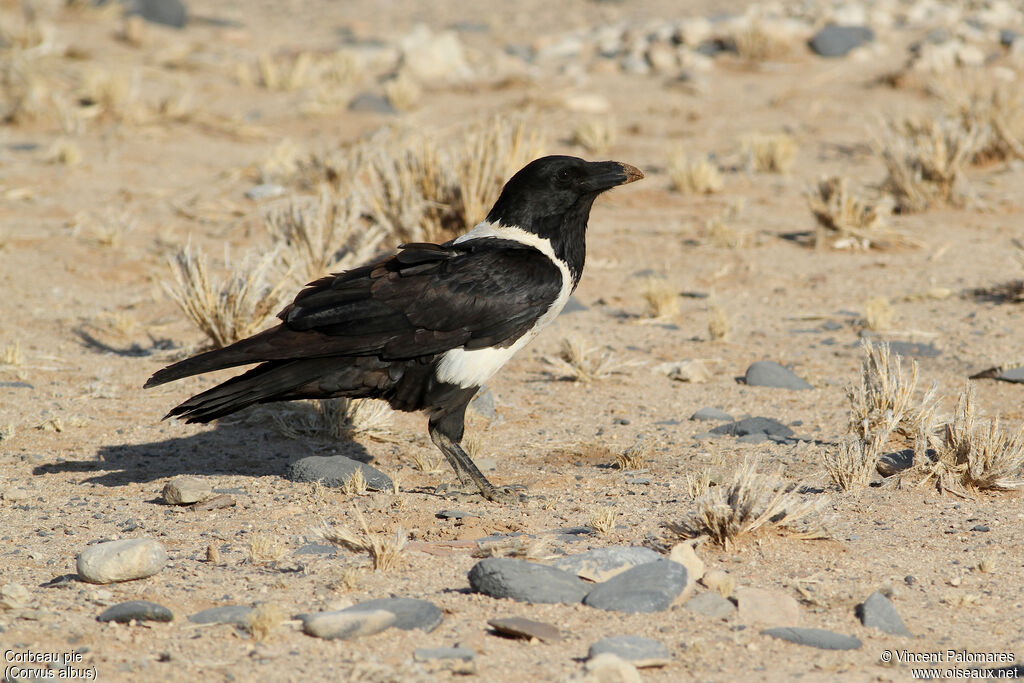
column 563, row 176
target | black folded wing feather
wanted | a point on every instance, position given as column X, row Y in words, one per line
column 424, row 300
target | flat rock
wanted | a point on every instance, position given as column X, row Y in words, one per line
column 503, row 577
column 649, row 587
column 136, row 610
column 113, row 561
column 409, row 612
column 836, row 41
column 768, row 373
column 1011, row 375
column 519, row 627
column 640, row 652
column 166, row 12
column 767, row 607
column 371, row 102
column 345, row 625
column 227, row 614
column 712, row 605
column 711, row 414
column 878, row 612
column 335, row 470
column 265, row 191
column 14, row 596
column 914, row 349
column 814, row 637
column 185, row 490
column 430, row 57
column 769, row 427
column 601, row 564
column 692, row 371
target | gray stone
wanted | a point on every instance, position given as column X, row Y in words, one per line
column 316, row 549
column 228, row 614
column 166, row 12
column 136, row 610
column 16, row 384
column 710, row 414
column 640, row 652
column 894, row 463
column 185, row 490
column 878, row 612
column 1015, row 375
column 649, row 587
column 371, row 102
column 768, row 373
column 409, row 612
column 601, row 564
column 483, row 403
column 265, row 191
column 455, row 514
column 1007, row 37
column 344, row 625
column 814, row 637
column 519, row 627
column 502, row 577
column 754, row 425
column 424, row 654
column 836, row 41
column 335, row 470
column 113, row 561
column 914, row 349
column 712, row 605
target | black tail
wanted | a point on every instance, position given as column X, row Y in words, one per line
column 276, row 381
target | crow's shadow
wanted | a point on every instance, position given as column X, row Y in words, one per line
column 229, row 448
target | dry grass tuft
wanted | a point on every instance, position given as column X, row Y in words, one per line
column 327, row 236
column 65, row 152
column 851, row 464
column 926, row 160
column 595, row 135
column 752, row 500
column 581, row 362
column 429, row 193
column 11, row 355
column 355, row 485
column 603, row 521
column 878, row 314
column 303, row 70
column 264, row 549
column 403, row 93
column 264, row 620
column 636, row 457
column 661, row 298
column 762, row 41
column 697, row 484
column 523, row 547
column 699, row 176
column 976, row 455
column 225, row 310
column 384, row 550
column 846, row 221
column 718, row 323
column 424, row 462
column 769, row 152
column 333, row 419
column 719, row 233
column 994, row 107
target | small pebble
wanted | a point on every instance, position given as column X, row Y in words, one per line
column 519, row 627
column 136, row 610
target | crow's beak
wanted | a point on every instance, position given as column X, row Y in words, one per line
column 605, row 175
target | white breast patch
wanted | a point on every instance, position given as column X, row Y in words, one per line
column 467, row 368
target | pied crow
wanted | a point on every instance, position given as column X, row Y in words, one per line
column 424, row 328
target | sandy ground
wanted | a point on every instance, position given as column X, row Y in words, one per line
column 84, row 454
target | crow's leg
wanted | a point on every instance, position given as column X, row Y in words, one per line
column 446, row 432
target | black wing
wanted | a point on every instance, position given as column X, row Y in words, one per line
column 422, row 301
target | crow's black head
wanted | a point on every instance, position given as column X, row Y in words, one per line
column 557, row 185
column 551, row 197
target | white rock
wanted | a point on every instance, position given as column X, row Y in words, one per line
column 432, row 57
column 345, row 625
column 14, row 596
column 693, row 32
column 610, row 668
column 133, row 558
column 767, row 607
